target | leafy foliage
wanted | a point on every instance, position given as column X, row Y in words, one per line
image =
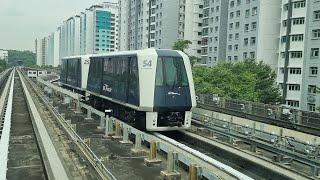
column 181, row 45
column 246, row 80
column 27, row 58
column 3, row 65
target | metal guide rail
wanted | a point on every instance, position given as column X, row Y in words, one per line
column 208, row 167
column 284, row 116
column 5, row 110
column 3, row 76
column 70, row 130
column 306, row 153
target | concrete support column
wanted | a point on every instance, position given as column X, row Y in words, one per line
column 223, row 102
column 253, row 147
column 152, row 159
column 315, row 171
column 89, row 115
column 108, row 130
column 249, row 109
column 118, row 134
column 125, row 135
column 171, row 172
column 102, row 123
column 193, row 172
column 66, row 100
column 254, row 127
column 230, row 129
column 78, row 107
column 299, row 117
column 137, row 146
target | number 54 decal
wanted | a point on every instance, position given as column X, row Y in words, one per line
column 147, row 64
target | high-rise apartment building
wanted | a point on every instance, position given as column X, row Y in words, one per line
column 99, row 29
column 70, row 37
column 299, row 59
column 42, row 51
column 214, row 31
column 96, row 30
column 234, row 30
column 160, row 23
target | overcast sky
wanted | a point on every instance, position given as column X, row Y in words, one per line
column 21, row 21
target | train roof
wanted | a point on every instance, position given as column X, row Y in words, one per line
column 121, row 53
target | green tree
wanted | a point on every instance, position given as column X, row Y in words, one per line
column 246, row 80
column 3, row 65
column 27, row 58
column 181, row 45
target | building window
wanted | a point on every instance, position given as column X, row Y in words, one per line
column 230, row 47
column 298, row 37
column 231, row 15
column 246, row 27
column 231, row 26
column 253, row 26
column 294, row 87
column 252, row 55
column 293, row 103
column 313, row 71
column 283, row 39
column 253, row 40
column 247, row 13
column 254, row 11
column 235, row 58
column 297, row 21
column 295, row 70
column 236, row 36
column 296, row 54
column 299, row 4
column 316, row 33
column 311, row 107
column 314, row 52
column 230, row 37
column 238, row 13
column 312, row 89
column 237, row 25
column 229, row 58
column 232, row 4
column 236, row 47
column 245, row 55
column 316, row 15
column 238, row 2
column 246, row 41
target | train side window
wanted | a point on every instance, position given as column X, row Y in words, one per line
column 133, row 87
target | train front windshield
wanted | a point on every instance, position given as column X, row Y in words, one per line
column 172, row 92
column 171, row 72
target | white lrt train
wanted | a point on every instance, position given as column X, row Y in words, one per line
column 151, row 89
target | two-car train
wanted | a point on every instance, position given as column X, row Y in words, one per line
column 151, row 89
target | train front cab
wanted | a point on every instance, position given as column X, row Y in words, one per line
column 174, row 95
